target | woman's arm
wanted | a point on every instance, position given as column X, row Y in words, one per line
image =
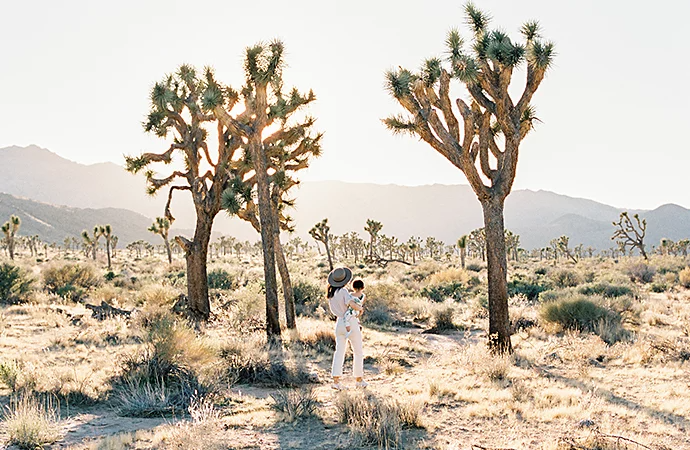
column 352, row 303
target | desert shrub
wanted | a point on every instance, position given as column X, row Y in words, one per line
column 309, row 297
column 443, row 320
column 640, row 272
column 583, row 314
column 252, row 361
column 295, row 403
column 529, row 288
column 474, row 267
column 382, row 303
column 320, row 340
column 565, row 278
column 15, row 284
column 31, row 424
column 605, row 289
column 543, row 270
column 176, row 278
column 441, row 293
column 162, row 377
column 377, row 420
column 247, row 308
column 659, row 286
column 69, row 280
column 449, row 276
column 220, row 279
column 684, row 277
column 667, row 264
column 9, row 374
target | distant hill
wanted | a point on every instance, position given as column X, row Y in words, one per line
column 54, row 223
column 443, row 211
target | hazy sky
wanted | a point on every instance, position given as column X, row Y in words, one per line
column 76, row 77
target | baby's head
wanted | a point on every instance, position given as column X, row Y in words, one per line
column 358, row 285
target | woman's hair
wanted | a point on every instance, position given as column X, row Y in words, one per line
column 331, row 291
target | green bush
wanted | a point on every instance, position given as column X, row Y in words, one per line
column 15, row 284
column 70, row 281
column 474, row 267
column 220, row 279
column 441, row 293
column 543, row 270
column 176, row 278
column 565, row 278
column 605, row 289
column 529, row 288
column 579, row 313
column 308, row 298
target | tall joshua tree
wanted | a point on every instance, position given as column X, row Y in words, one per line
column 462, row 246
column 161, row 227
column 271, row 157
column 10, row 228
column 181, row 108
column 485, row 148
column 372, row 227
column 630, row 234
column 91, row 242
column 320, row 233
column 107, row 233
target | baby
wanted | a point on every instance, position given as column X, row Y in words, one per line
column 358, row 293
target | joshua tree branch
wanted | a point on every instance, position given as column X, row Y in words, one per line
column 167, row 214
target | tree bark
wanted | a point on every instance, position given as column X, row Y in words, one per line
column 167, row 248
column 196, row 253
column 499, row 323
column 328, row 253
column 107, row 250
column 268, row 231
column 462, row 257
column 288, row 294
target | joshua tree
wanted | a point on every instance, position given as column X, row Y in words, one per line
column 414, row 243
column 562, row 243
column 630, row 234
column 494, row 127
column 462, row 246
column 477, row 242
column 181, row 106
column 372, row 227
column 270, row 157
column 10, row 228
column 91, row 242
column 320, row 234
column 107, row 233
column 512, row 244
column 161, row 227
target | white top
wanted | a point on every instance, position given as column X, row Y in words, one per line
column 339, row 302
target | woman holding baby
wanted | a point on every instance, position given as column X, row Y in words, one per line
column 346, row 307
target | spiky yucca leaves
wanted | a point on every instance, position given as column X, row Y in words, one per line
column 182, row 105
column 10, row 229
column 90, row 242
column 161, row 227
column 321, row 233
column 483, row 141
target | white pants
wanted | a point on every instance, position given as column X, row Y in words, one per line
column 355, row 339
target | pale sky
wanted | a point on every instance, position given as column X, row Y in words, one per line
column 76, row 77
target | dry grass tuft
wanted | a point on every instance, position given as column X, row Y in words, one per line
column 378, row 421
column 31, row 424
column 295, row 403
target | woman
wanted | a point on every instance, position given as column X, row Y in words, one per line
column 339, row 299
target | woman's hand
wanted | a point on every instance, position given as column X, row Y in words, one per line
column 352, row 304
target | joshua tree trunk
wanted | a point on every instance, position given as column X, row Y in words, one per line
column 499, row 324
column 167, row 248
column 107, row 250
column 196, row 252
column 328, row 253
column 288, row 294
column 462, row 257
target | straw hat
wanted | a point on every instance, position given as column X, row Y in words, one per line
column 339, row 277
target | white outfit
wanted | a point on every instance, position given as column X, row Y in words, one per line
column 350, row 313
column 339, row 306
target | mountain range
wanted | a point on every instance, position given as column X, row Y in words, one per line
column 36, row 181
